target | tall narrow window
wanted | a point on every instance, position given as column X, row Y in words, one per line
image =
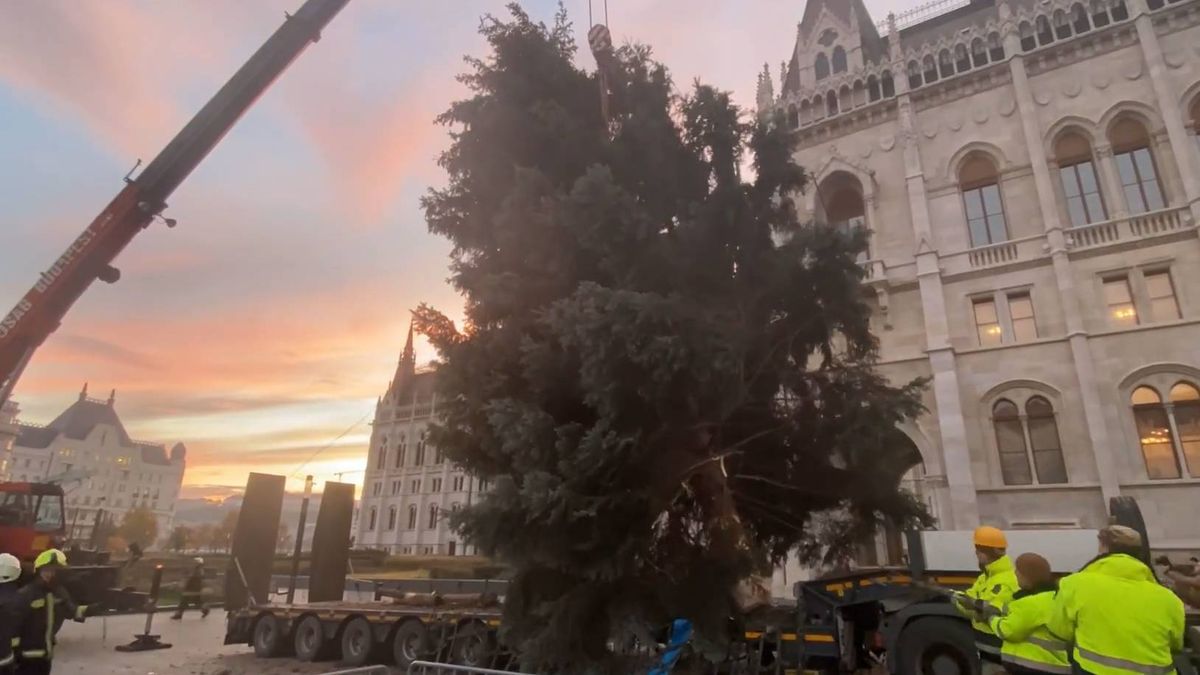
column 821, row 68
column 1119, row 301
column 371, row 520
column 987, row 323
column 839, row 59
column 401, row 448
column 843, row 206
column 391, row 525
column 1154, row 434
column 412, row 516
column 433, row 516
column 1085, row 205
column 1079, row 18
column 1020, row 308
column 420, row 458
column 889, row 87
column 1010, row 441
column 962, row 59
column 381, row 459
column 1135, row 165
column 1163, row 306
column 1185, row 403
column 980, row 185
column 1044, row 441
column 979, row 55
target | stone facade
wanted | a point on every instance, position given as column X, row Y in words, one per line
column 1029, row 173
column 410, row 488
column 88, row 451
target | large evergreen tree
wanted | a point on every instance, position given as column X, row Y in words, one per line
column 663, row 375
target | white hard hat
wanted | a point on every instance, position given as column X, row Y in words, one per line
column 198, row 561
column 10, row 568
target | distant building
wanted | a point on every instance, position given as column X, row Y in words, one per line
column 1029, row 176
column 8, row 432
column 87, row 449
column 410, row 488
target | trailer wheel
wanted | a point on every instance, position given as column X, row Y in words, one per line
column 474, row 646
column 310, row 640
column 937, row 646
column 358, row 642
column 268, row 637
column 410, row 643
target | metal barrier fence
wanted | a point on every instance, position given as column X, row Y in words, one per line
column 367, row 670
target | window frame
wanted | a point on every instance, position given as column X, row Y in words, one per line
column 1002, row 301
column 1141, row 180
column 1123, row 277
column 1082, row 195
column 1162, row 385
column 977, row 190
column 1161, row 272
column 1020, row 397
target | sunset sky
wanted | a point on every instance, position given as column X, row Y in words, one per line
column 270, row 319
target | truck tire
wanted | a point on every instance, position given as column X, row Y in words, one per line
column 268, row 637
column 936, row 646
column 358, row 642
column 474, row 646
column 310, row 641
column 410, row 642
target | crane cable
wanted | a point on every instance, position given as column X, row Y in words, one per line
column 339, row 437
column 600, row 42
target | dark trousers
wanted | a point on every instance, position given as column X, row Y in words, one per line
column 191, row 600
column 33, row 667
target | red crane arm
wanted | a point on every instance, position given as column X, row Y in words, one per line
column 90, row 257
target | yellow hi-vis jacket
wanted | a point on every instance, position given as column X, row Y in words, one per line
column 1120, row 619
column 1027, row 642
column 996, row 586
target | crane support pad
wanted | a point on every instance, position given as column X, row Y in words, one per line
column 331, row 543
column 254, row 540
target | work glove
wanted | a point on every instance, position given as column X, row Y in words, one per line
column 988, row 611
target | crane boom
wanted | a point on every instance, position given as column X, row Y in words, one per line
column 90, row 256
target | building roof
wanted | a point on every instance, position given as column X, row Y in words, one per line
column 79, row 420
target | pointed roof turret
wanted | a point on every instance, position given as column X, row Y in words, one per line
column 406, row 369
column 83, row 392
column 766, row 90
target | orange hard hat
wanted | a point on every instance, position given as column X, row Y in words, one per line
column 990, row 537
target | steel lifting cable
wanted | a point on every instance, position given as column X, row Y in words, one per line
column 600, row 42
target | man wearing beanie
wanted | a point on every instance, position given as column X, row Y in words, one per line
column 1029, row 648
column 1120, row 619
column 992, row 590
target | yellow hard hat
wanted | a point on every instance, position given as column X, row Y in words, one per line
column 50, row 557
column 990, row 537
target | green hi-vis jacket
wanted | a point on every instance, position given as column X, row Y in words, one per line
column 1027, row 641
column 995, row 586
column 1120, row 619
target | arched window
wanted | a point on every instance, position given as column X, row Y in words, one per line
column 979, row 54
column 889, row 87
column 1099, row 14
column 979, row 183
column 1028, row 41
column 945, row 63
column 371, row 520
column 842, row 204
column 1044, row 33
column 1077, row 173
column 1135, row 165
column 930, row 66
column 401, row 448
column 873, row 91
column 1062, row 25
column 914, row 75
column 806, row 114
column 821, row 68
column 859, row 95
column 793, row 117
column 1118, row 10
column 962, row 59
column 412, row 516
column 1010, row 441
column 831, row 104
column 420, row 458
column 391, row 525
column 381, row 458
column 839, row 59
column 1079, row 19
column 1154, row 434
column 1185, row 407
column 995, row 47
column 433, row 516
column 1044, row 441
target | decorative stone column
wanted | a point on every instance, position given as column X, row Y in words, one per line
column 1093, row 410
column 963, row 508
column 1168, row 104
column 1113, row 190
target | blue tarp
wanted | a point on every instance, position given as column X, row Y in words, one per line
column 681, row 632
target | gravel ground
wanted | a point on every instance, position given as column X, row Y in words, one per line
column 89, row 649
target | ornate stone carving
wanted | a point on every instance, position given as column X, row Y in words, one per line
column 1041, row 97
column 1174, row 58
column 930, row 131
column 955, row 124
column 1072, row 89
column 1101, row 80
column 886, row 143
column 980, row 116
column 1133, row 72
column 1008, row 107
